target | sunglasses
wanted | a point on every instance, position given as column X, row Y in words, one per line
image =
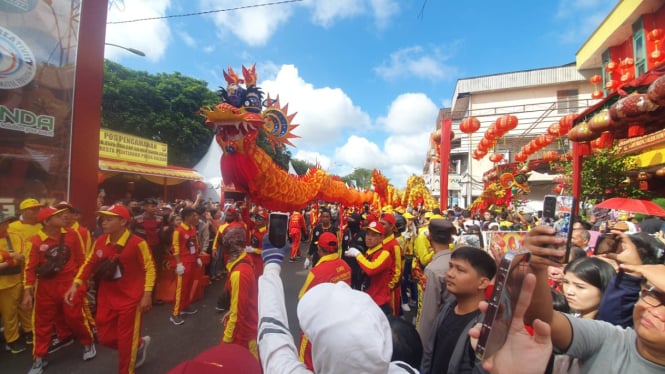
column 652, row 297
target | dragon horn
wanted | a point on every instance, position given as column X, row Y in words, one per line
column 250, row 75
column 232, row 77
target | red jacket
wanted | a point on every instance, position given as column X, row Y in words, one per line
column 331, row 269
column 392, row 245
column 41, row 244
column 296, row 222
column 136, row 265
column 241, row 284
column 378, row 264
column 186, row 243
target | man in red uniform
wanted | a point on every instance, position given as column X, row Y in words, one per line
column 256, row 242
column 296, row 227
column 392, row 245
column 331, row 269
column 241, row 291
column 377, row 264
column 54, row 257
column 123, row 266
column 186, row 253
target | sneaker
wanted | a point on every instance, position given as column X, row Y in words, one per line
column 15, row 347
column 142, row 352
column 38, row 366
column 189, row 310
column 177, row 320
column 57, row 344
column 292, row 259
column 406, row 307
column 89, row 352
column 219, row 308
column 28, row 337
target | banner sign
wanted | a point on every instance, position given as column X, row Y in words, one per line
column 38, row 49
column 118, row 146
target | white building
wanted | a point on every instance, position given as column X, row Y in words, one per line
column 538, row 98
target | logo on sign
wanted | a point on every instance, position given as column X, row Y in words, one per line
column 17, row 63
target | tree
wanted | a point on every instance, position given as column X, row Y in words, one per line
column 161, row 107
column 360, row 177
column 301, row 166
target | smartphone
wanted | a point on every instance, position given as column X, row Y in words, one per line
column 559, row 212
column 499, row 314
column 277, row 229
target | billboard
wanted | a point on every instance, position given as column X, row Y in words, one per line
column 119, row 146
column 38, row 49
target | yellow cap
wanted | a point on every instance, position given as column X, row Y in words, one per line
column 29, row 203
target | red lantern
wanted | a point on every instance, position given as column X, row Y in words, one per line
column 595, row 79
column 492, row 132
column 656, row 55
column 529, row 149
column 558, row 189
column 643, row 178
column 521, row 156
column 550, row 156
column 635, row 129
column 566, row 123
column 612, row 85
column 655, row 35
column 597, row 94
column 486, row 143
column 606, row 140
column 469, row 125
column 611, row 66
column 506, row 123
column 553, row 129
column 496, row 157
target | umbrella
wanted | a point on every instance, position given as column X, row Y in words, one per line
column 633, row 205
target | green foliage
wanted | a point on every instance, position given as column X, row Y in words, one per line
column 162, row 107
column 360, row 177
column 604, row 175
column 301, row 166
column 280, row 154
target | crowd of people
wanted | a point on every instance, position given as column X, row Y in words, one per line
column 387, row 290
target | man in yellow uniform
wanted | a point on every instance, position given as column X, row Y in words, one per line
column 25, row 228
column 11, row 264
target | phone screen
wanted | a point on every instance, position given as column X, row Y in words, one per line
column 559, row 212
column 507, row 287
column 277, row 229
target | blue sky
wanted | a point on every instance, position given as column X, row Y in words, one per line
column 367, row 77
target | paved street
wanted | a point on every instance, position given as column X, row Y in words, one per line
column 170, row 344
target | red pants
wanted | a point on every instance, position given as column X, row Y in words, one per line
column 295, row 242
column 121, row 330
column 183, row 288
column 395, row 300
column 49, row 305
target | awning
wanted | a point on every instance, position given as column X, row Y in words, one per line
column 168, row 175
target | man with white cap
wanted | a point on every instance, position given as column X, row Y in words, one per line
column 348, row 331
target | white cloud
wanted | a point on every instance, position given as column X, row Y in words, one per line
column 410, row 113
column 188, row 39
column 323, row 113
column 151, row 37
column 361, row 153
column 325, row 12
column 418, row 62
column 253, row 26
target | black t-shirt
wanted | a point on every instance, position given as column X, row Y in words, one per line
column 446, row 339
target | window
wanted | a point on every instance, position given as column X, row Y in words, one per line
column 566, row 101
column 639, row 48
column 607, row 76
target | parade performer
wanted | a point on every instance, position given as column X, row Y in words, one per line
column 296, row 228
column 11, row 266
column 354, row 236
column 256, row 242
column 122, row 264
column 377, row 264
column 53, row 259
column 187, row 257
column 324, row 225
column 392, row 245
column 330, row 268
column 240, row 293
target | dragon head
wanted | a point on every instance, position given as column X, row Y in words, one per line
column 243, row 113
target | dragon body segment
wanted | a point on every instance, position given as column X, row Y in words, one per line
column 237, row 121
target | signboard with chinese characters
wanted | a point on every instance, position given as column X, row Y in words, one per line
column 118, row 146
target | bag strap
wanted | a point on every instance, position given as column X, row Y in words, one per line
column 9, row 244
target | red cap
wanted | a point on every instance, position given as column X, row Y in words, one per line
column 376, row 227
column 64, row 205
column 388, row 217
column 328, row 241
column 118, row 211
column 47, row 212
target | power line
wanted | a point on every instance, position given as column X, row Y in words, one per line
column 207, row 12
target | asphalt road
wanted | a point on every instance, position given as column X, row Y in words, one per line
column 170, row 344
